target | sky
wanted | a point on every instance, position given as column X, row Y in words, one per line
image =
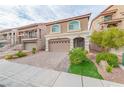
column 15, row 16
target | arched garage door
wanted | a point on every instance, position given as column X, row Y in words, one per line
column 59, row 45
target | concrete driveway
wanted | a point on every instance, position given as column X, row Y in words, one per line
column 50, row 60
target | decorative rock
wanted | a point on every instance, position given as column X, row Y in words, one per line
column 103, row 65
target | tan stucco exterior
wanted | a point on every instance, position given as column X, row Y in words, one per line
column 117, row 16
column 64, row 26
column 71, row 35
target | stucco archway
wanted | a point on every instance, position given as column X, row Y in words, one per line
column 79, row 42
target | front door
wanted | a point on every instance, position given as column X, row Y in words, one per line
column 79, row 42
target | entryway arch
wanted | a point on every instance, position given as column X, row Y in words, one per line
column 79, row 42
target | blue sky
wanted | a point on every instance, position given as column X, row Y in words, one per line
column 14, row 16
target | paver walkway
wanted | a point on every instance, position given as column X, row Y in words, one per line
column 50, row 60
column 22, row 75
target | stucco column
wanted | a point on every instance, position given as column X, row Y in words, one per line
column 39, row 44
column 16, row 38
column 12, row 38
column 71, row 43
column 87, row 43
column 46, row 45
column 38, row 34
column 8, row 38
column 39, row 40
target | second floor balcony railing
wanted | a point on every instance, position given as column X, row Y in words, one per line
column 28, row 37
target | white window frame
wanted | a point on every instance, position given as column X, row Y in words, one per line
column 59, row 28
column 73, row 30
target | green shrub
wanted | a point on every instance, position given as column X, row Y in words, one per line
column 21, row 54
column 111, row 59
column 33, row 50
column 77, row 55
column 8, row 56
column 109, row 69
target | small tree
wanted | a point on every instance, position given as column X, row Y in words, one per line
column 108, row 38
column 34, row 50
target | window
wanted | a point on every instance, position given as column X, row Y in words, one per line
column 74, row 25
column 26, row 34
column 56, row 28
column 107, row 18
column 1, row 45
column 34, row 34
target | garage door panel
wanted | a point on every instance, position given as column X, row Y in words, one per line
column 29, row 46
column 62, row 45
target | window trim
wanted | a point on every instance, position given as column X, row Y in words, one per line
column 54, row 25
column 107, row 18
column 73, row 30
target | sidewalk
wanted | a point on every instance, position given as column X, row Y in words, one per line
column 20, row 75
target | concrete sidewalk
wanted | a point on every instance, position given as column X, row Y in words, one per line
column 21, row 75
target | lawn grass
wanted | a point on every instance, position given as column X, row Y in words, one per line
column 86, row 68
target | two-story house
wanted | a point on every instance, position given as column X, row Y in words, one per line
column 32, row 36
column 112, row 16
column 8, row 37
column 65, row 34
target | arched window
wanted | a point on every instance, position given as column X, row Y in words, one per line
column 56, row 28
column 74, row 25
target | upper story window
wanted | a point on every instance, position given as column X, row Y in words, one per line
column 108, row 17
column 74, row 25
column 32, row 34
column 56, row 28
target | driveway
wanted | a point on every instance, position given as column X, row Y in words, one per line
column 50, row 60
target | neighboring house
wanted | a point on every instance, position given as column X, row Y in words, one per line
column 66, row 34
column 113, row 16
column 32, row 36
column 7, row 38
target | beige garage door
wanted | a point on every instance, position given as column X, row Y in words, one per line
column 59, row 45
column 29, row 46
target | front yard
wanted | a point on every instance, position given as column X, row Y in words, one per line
column 81, row 65
column 86, row 69
column 102, row 65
